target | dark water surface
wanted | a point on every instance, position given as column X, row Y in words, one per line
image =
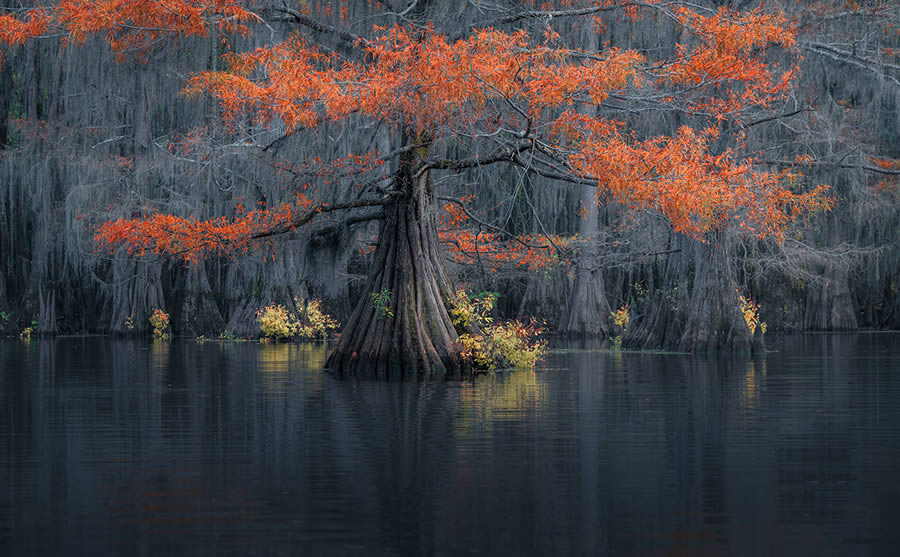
column 111, row 447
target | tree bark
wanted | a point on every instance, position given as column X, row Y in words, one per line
column 694, row 307
column 411, row 335
column 714, row 321
column 587, row 312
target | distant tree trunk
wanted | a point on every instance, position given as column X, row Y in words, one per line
column 6, row 85
column 411, row 333
column 695, row 306
column 47, row 313
column 587, row 311
column 831, row 307
column 135, row 291
column 714, row 319
column 197, row 311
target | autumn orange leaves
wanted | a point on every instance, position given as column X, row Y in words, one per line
column 127, row 25
column 681, row 178
column 511, row 86
column 189, row 237
column 415, row 78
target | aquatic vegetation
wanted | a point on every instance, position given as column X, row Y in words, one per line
column 488, row 345
column 750, row 311
column 276, row 322
column 319, row 323
column 159, row 321
column 621, row 318
column 468, row 310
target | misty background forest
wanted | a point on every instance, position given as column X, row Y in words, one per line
column 87, row 136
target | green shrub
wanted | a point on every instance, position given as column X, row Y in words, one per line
column 382, row 303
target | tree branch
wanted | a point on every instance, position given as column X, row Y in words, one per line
column 489, row 226
column 546, row 15
column 307, row 217
column 505, row 154
column 349, row 38
column 846, row 57
column 779, row 116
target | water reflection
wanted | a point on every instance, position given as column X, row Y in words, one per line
column 116, row 447
column 488, row 399
column 752, row 382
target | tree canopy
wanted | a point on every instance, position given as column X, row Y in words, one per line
column 512, row 96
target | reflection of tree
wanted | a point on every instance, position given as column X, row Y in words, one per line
column 278, row 361
column 508, row 396
column 753, row 378
column 159, row 351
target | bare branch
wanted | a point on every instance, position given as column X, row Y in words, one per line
column 349, row 38
column 321, row 209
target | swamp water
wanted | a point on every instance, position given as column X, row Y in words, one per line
column 113, row 447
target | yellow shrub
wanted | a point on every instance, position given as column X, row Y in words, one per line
column 159, row 320
column 501, row 345
column 621, row 317
column 318, row 322
column 275, row 321
column 750, row 311
column 468, row 310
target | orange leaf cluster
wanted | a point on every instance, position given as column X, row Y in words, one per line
column 15, row 31
column 679, row 178
column 730, row 53
column 127, row 25
column 190, row 238
column 412, row 77
column 493, row 250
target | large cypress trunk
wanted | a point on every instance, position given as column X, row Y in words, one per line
column 694, row 306
column 409, row 333
column 714, row 321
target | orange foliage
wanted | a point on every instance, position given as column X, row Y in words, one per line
column 127, row 25
column 492, row 250
column 15, row 31
column 678, row 177
column 191, row 238
column 492, row 81
column 412, row 77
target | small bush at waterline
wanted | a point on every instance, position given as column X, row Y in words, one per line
column 621, row 319
column 159, row 320
column 276, row 322
column 492, row 346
